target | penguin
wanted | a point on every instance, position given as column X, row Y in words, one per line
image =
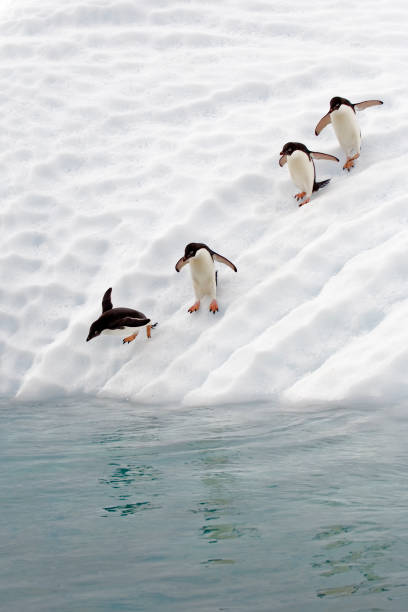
column 201, row 259
column 118, row 321
column 302, row 169
column 342, row 114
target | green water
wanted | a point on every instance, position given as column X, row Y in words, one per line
column 107, row 506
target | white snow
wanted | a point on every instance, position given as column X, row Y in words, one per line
column 130, row 128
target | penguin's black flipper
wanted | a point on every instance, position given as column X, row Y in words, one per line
column 322, row 123
column 317, row 155
column 319, row 184
column 362, row 105
column 181, row 263
column 106, row 300
column 223, row 260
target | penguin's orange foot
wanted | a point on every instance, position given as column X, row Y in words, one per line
column 194, row 307
column 149, row 331
column 305, row 202
column 214, row 306
column 350, row 162
column 300, row 195
column 129, row 338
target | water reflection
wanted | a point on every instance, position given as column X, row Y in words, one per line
column 344, row 553
column 130, row 480
column 126, row 509
column 220, row 505
column 218, row 562
column 226, row 532
column 211, row 510
column 130, row 474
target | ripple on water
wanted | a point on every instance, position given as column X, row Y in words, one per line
column 130, row 509
column 350, row 560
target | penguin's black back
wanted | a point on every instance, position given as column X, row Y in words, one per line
column 110, row 316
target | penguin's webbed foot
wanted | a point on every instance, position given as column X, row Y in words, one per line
column 194, row 307
column 305, row 202
column 149, row 329
column 214, row 306
column 129, row 338
column 300, row 195
column 350, row 162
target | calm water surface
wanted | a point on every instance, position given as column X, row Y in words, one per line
column 107, row 506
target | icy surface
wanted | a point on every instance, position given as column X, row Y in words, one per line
column 129, row 128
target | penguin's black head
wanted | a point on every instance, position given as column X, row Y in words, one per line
column 94, row 331
column 192, row 248
column 291, row 147
column 189, row 252
column 337, row 101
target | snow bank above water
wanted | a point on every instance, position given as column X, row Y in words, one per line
column 130, row 128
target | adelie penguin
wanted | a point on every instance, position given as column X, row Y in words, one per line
column 118, row 321
column 201, row 259
column 302, row 169
column 342, row 114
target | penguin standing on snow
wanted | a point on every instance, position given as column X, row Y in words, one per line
column 201, row 259
column 342, row 114
column 118, row 321
column 302, row 169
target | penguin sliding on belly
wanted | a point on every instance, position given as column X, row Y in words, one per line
column 118, row 321
column 302, row 169
column 201, row 259
column 342, row 114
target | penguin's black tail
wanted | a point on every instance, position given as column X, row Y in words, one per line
column 320, row 184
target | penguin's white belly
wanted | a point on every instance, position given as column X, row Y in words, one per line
column 301, row 170
column 203, row 274
column 125, row 331
column 119, row 332
column 346, row 129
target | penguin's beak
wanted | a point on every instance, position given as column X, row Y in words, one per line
column 88, row 338
column 281, row 153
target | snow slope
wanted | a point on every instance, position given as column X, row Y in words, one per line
column 129, row 128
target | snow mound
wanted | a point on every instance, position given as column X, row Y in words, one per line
column 129, row 129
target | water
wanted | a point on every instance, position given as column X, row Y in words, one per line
column 107, row 506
